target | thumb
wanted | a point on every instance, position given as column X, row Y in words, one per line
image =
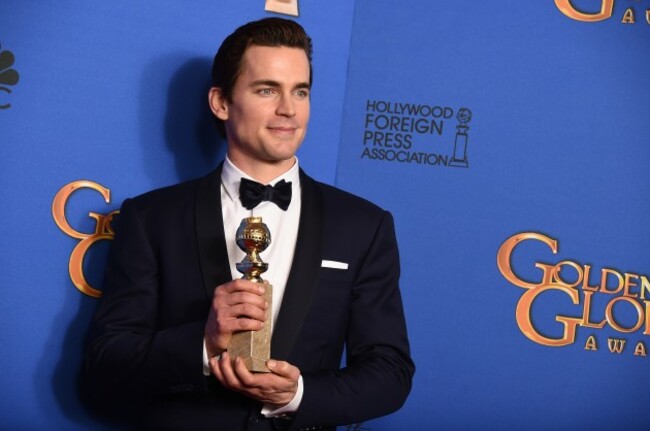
column 283, row 369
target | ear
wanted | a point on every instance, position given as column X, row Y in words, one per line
column 218, row 104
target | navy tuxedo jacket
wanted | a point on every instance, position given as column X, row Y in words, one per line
column 169, row 253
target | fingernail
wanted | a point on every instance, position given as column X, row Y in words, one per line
column 271, row 363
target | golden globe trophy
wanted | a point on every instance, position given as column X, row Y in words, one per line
column 254, row 347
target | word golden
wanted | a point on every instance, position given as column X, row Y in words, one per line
column 628, row 288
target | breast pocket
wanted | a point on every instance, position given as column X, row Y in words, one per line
column 337, row 271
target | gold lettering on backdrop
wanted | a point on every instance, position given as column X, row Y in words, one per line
column 645, row 286
column 628, row 16
column 606, row 12
column 615, row 345
column 606, row 9
column 103, row 231
column 591, row 343
column 639, row 350
column 578, row 283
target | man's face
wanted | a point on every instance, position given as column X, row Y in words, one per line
column 266, row 119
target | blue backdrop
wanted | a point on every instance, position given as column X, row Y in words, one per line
column 557, row 144
column 473, row 122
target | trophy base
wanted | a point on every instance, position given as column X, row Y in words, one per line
column 254, row 347
column 459, row 163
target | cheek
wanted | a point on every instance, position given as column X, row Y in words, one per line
column 247, row 123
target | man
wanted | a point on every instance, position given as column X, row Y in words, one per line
column 173, row 298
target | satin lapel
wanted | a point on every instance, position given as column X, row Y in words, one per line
column 301, row 285
column 213, row 255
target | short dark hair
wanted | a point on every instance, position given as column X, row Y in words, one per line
column 273, row 32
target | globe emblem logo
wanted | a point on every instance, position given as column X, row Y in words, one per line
column 459, row 158
column 8, row 76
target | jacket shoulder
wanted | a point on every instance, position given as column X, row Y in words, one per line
column 165, row 195
column 348, row 203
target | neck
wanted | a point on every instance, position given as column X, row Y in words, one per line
column 260, row 171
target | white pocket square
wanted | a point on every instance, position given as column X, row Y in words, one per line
column 333, row 264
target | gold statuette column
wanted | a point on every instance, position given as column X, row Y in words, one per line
column 254, row 347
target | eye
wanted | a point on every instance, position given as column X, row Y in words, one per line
column 302, row 93
column 266, row 91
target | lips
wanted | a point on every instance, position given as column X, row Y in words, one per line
column 283, row 127
column 283, row 130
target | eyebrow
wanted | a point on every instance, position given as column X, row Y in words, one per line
column 271, row 83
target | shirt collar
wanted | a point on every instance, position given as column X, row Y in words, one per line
column 231, row 177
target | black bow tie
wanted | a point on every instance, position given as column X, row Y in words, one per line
column 251, row 193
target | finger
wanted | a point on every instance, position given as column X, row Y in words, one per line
column 264, row 387
column 242, row 285
column 226, row 373
column 283, row 369
column 216, row 369
column 225, row 297
column 241, row 324
column 221, row 327
column 243, row 298
column 245, row 377
column 244, row 310
column 240, row 319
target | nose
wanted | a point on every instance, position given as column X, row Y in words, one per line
column 286, row 106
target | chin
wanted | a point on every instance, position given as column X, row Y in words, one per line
column 284, row 152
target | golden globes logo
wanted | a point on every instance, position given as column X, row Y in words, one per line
column 619, row 289
column 103, row 231
column 402, row 132
column 606, row 11
column 8, row 76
